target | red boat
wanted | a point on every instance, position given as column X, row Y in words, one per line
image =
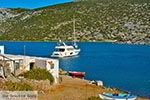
column 76, row 74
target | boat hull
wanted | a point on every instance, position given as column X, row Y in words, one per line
column 107, row 97
column 77, row 74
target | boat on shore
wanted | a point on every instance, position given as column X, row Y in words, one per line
column 110, row 96
column 75, row 74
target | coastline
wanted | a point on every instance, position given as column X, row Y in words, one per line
column 103, row 41
column 76, row 89
column 70, row 89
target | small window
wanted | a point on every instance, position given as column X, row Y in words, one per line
column 51, row 64
column 60, row 50
column 52, row 67
column 69, row 49
column 21, row 61
column 17, row 65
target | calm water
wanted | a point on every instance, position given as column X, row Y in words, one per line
column 126, row 67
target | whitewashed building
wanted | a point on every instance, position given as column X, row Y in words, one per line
column 19, row 64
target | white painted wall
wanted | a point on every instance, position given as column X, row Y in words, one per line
column 1, row 49
column 55, row 70
column 29, row 59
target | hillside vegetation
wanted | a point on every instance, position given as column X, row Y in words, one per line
column 126, row 21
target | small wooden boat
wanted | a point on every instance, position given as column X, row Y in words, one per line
column 76, row 74
column 109, row 96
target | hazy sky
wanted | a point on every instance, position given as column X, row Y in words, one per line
column 29, row 3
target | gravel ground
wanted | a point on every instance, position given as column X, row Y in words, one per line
column 74, row 89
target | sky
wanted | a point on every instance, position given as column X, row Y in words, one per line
column 30, row 4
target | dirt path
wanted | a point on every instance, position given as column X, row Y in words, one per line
column 74, row 89
column 71, row 89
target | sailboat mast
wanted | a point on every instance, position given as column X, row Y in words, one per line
column 74, row 32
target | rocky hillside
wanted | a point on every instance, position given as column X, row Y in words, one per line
column 124, row 21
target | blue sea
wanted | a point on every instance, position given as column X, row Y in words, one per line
column 122, row 66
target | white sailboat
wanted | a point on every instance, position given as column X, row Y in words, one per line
column 64, row 50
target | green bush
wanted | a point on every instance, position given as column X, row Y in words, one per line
column 18, row 86
column 39, row 74
column 94, row 98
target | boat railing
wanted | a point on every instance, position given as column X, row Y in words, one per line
column 61, row 44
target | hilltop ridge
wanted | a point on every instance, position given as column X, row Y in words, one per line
column 124, row 21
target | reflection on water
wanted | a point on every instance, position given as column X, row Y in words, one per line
column 68, row 63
